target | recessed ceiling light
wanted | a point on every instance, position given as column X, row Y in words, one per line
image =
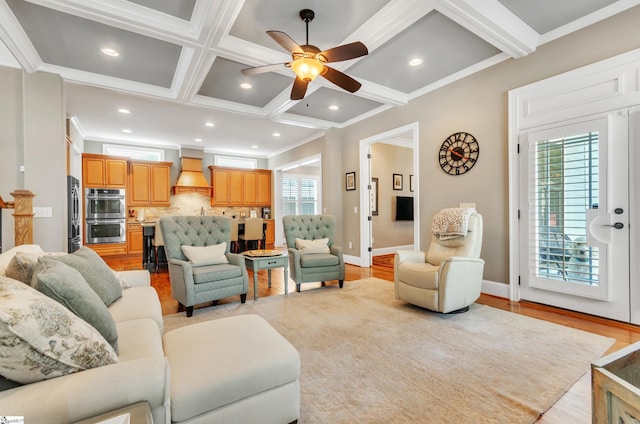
column 125, row 111
column 254, row 146
column 110, row 52
column 276, row 134
column 127, row 131
column 246, row 85
column 209, row 124
column 334, row 107
column 199, row 140
column 415, row 62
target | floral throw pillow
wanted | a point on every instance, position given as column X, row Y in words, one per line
column 41, row 339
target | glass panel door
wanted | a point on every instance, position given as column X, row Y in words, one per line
column 574, row 217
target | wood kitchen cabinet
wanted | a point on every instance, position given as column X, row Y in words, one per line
column 240, row 187
column 149, row 183
column 270, row 233
column 103, row 171
column 134, row 238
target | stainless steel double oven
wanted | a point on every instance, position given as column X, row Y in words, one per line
column 105, row 215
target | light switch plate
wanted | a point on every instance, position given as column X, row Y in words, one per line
column 43, row 212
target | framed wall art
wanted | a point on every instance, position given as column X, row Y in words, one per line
column 351, row 181
column 397, row 181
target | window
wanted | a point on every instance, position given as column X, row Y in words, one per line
column 133, row 152
column 233, row 162
column 299, row 195
column 565, row 188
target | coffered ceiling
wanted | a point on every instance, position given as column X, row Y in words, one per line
column 179, row 61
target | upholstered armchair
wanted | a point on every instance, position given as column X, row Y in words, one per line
column 448, row 277
column 312, row 254
column 200, row 268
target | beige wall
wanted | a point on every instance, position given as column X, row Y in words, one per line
column 478, row 104
column 386, row 160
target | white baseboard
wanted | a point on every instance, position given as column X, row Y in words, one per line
column 392, row 249
column 495, row 289
column 352, row 260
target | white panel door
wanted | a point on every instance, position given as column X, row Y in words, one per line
column 574, row 216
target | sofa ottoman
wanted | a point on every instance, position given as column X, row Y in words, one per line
column 232, row 370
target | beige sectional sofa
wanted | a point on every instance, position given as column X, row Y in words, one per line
column 212, row 381
column 142, row 373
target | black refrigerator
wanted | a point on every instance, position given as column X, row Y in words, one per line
column 73, row 214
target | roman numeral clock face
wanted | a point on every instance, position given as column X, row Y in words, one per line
column 458, row 153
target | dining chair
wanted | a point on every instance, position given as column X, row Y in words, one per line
column 234, row 236
column 253, row 232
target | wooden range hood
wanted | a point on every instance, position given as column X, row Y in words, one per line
column 191, row 179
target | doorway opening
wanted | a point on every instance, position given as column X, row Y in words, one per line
column 298, row 190
column 405, row 136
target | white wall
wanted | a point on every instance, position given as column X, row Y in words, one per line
column 32, row 133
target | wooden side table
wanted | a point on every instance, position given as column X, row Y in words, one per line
column 255, row 263
column 139, row 413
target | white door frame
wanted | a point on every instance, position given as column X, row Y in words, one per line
column 365, row 173
column 603, row 86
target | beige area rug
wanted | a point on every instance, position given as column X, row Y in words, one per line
column 368, row 358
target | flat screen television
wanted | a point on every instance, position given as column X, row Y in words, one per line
column 404, row 208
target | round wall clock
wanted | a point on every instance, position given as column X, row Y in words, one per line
column 458, row 153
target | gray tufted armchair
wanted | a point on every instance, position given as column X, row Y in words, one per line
column 310, row 267
column 192, row 283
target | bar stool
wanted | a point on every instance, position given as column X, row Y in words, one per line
column 233, row 242
column 252, row 232
column 158, row 247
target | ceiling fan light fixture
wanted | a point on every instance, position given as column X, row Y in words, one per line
column 307, row 69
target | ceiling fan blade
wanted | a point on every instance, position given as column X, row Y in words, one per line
column 345, row 52
column 261, row 69
column 285, row 41
column 341, row 80
column 299, row 89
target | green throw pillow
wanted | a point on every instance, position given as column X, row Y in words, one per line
column 42, row 339
column 64, row 284
column 96, row 272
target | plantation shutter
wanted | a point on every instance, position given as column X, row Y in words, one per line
column 299, row 195
column 564, row 187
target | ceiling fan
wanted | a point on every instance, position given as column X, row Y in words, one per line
column 308, row 61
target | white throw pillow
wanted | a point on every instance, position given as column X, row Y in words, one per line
column 207, row 255
column 6, row 257
column 313, row 246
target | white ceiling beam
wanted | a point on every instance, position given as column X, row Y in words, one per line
column 494, row 23
column 193, row 68
column 109, row 83
column 227, row 106
column 17, row 42
column 392, row 19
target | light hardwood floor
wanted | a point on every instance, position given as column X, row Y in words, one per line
column 573, row 407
